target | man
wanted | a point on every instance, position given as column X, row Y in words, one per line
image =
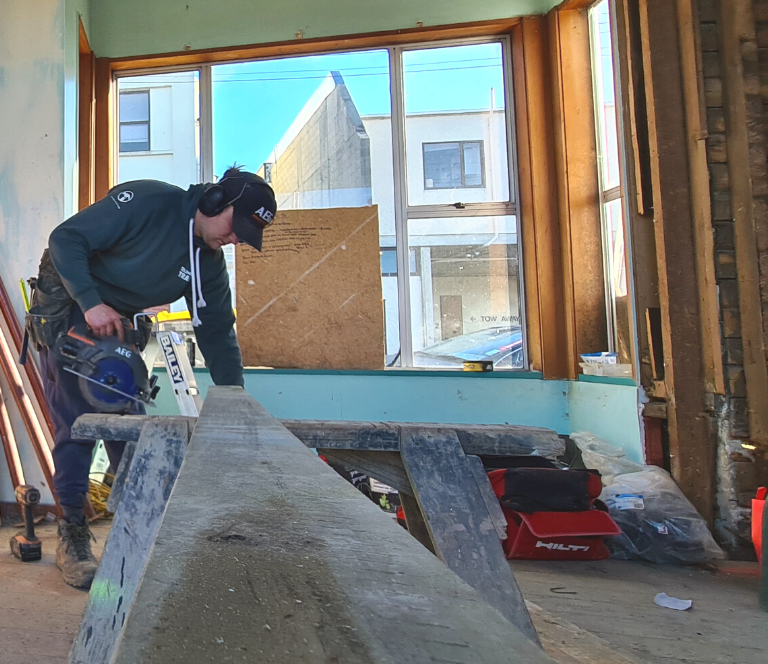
column 145, row 244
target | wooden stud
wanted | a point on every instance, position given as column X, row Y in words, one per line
column 701, row 203
column 691, row 440
column 641, row 245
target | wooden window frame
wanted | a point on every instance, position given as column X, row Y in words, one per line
column 558, row 211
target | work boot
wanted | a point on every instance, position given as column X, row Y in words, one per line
column 73, row 554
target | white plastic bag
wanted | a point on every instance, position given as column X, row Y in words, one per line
column 603, row 457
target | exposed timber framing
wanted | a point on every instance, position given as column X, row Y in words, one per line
column 691, row 438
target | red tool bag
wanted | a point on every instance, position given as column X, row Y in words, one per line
column 551, row 514
column 758, row 509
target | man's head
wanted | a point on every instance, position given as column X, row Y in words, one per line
column 239, row 206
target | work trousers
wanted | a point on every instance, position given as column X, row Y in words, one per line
column 72, row 457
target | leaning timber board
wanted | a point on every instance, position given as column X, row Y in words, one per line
column 265, row 554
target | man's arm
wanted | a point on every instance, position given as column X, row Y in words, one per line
column 97, row 227
column 216, row 335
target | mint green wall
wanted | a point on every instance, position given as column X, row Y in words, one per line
column 610, row 411
column 139, row 27
column 607, row 409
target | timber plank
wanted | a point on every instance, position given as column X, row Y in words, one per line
column 156, row 462
column 266, row 554
column 383, row 466
column 480, row 439
column 461, row 529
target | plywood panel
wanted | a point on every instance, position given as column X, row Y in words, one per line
column 312, row 299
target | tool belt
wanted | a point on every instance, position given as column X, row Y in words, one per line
column 51, row 306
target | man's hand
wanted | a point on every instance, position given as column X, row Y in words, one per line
column 104, row 321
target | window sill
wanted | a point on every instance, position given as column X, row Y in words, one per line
column 410, row 372
column 145, row 153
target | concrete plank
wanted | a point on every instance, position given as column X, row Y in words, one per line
column 265, row 554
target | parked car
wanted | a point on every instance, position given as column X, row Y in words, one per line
column 501, row 345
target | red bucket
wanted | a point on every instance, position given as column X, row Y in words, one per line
column 758, row 508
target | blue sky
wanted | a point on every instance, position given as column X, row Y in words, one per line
column 254, row 103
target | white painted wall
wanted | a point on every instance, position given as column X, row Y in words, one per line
column 37, row 157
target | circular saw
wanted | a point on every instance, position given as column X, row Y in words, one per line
column 111, row 373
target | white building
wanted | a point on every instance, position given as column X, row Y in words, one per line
column 463, row 270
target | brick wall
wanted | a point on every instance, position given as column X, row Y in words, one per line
column 738, row 466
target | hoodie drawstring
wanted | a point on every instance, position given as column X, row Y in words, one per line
column 194, row 267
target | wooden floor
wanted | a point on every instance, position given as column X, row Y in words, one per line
column 586, row 613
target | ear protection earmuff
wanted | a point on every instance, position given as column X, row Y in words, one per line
column 214, row 201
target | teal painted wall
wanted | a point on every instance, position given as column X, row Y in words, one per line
column 610, row 411
column 139, row 27
column 607, row 410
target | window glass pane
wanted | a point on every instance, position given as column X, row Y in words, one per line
column 134, row 106
column 389, row 262
column 442, row 165
column 464, row 300
column 606, row 97
column 454, row 96
column 473, row 164
column 616, row 265
column 319, row 129
column 134, row 137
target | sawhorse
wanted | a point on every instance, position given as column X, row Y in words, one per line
column 448, row 501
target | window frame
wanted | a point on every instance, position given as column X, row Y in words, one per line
column 403, row 211
column 461, row 145
column 147, row 122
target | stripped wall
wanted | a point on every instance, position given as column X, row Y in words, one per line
column 141, row 27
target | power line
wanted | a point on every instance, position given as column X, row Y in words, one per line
column 325, row 75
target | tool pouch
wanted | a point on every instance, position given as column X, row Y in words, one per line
column 48, row 316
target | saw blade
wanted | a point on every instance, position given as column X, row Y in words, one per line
column 113, row 406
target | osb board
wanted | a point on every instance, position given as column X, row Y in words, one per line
column 312, row 298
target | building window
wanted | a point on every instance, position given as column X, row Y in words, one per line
column 389, row 262
column 134, row 121
column 456, row 165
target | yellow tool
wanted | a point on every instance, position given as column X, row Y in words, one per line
column 24, row 295
column 484, row 365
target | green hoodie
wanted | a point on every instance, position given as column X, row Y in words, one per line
column 131, row 250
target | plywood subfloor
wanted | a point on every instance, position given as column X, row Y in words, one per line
column 613, row 601
column 586, row 613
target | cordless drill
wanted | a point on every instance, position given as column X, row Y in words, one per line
column 27, row 547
